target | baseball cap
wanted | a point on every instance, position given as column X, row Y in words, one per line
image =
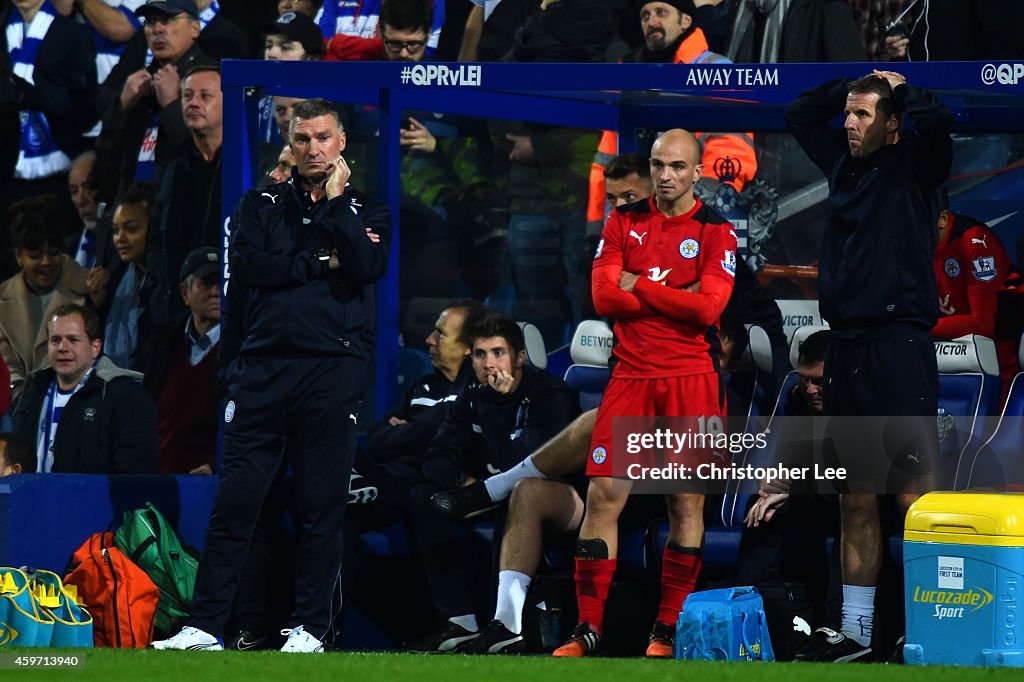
column 200, row 263
column 169, row 7
column 297, row 26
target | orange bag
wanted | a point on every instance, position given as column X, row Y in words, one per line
column 119, row 595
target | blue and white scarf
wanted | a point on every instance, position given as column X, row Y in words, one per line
column 121, row 334
column 38, row 155
column 205, row 17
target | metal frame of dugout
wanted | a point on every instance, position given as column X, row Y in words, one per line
column 983, row 97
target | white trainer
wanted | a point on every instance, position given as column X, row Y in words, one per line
column 301, row 642
column 190, row 639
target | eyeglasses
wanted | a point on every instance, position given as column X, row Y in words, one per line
column 411, row 46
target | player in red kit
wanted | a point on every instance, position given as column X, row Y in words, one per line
column 971, row 268
column 665, row 269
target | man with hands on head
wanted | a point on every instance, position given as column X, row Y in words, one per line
column 878, row 293
column 302, row 256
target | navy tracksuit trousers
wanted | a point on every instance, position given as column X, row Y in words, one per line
column 304, row 407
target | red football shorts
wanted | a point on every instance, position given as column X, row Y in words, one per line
column 700, row 397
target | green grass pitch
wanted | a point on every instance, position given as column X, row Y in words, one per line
column 105, row 665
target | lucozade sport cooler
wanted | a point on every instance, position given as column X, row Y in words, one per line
column 963, row 558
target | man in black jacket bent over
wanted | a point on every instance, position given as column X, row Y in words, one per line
column 878, row 294
column 303, row 257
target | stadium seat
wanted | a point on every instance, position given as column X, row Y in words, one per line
column 536, row 352
column 412, row 364
column 753, row 377
column 969, row 392
column 737, row 495
column 800, row 335
column 591, row 349
column 998, row 462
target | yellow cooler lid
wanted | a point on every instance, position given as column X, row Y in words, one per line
column 981, row 517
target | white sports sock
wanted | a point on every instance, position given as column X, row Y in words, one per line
column 468, row 621
column 512, row 587
column 858, row 613
column 500, row 485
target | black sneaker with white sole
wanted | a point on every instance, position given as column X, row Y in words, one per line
column 495, row 638
column 828, row 646
column 463, row 503
column 248, row 641
column 443, row 640
column 361, row 490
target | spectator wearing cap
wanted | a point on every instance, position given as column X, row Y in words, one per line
column 292, row 37
column 180, row 367
column 141, row 112
column 186, row 214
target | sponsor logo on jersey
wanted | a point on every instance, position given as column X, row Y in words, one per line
column 951, row 267
column 729, row 262
column 657, row 275
column 600, row 247
column 984, row 269
column 689, row 248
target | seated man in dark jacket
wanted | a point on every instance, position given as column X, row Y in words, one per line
column 507, row 413
column 397, row 443
column 180, row 367
column 85, row 414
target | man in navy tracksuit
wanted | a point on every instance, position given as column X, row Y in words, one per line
column 877, row 290
column 303, row 256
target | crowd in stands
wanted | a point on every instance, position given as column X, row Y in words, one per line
column 111, row 128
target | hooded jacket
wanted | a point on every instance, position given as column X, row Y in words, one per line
column 107, row 427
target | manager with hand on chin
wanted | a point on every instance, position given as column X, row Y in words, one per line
column 302, row 256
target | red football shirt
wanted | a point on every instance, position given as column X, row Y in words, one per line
column 663, row 331
column 971, row 267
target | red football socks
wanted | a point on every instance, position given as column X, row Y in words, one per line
column 680, row 567
column 593, row 580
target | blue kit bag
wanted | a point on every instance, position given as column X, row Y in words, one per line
column 724, row 625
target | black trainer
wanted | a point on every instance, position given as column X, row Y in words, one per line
column 583, row 642
column 662, row 642
column 827, row 645
column 495, row 638
column 361, row 490
column 248, row 641
column 463, row 503
column 443, row 640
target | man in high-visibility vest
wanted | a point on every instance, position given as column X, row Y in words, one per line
column 671, row 36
